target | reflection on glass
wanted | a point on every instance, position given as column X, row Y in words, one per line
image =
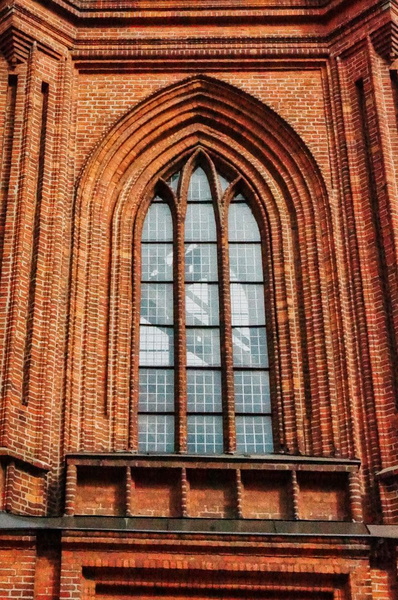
column 245, row 262
column 204, row 391
column 157, row 262
column 201, row 304
column 249, row 347
column 156, row 433
column 200, row 262
column 254, row 435
column 247, row 302
column 158, row 225
column 203, row 347
column 156, row 346
column 199, row 188
column 242, row 226
column 157, row 303
column 205, row 434
column 200, row 223
column 156, row 390
column 252, row 392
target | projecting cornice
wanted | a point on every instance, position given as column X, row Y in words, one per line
column 21, row 29
column 60, row 27
column 268, row 11
column 15, row 45
column 385, row 41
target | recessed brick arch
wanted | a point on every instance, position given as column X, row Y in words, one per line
column 117, row 183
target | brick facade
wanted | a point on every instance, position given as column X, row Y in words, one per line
column 100, row 100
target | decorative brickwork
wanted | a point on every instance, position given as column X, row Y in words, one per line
column 295, row 102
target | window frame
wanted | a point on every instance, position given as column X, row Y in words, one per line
column 177, row 202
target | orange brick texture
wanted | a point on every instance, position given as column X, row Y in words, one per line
column 99, row 100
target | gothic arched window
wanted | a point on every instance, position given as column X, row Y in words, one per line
column 203, row 369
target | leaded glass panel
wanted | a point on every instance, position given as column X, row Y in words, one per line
column 199, row 187
column 200, row 223
column 201, row 262
column 157, row 262
column 157, row 303
column 245, row 262
column 224, row 183
column 156, row 346
column 174, row 180
column 158, row 225
column 254, row 434
column 203, row 347
column 249, row 347
column 204, row 391
column 156, row 433
column 252, row 392
column 201, row 304
column 156, row 390
column 247, row 303
column 242, row 226
column 205, row 434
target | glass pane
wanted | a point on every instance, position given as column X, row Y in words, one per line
column 201, row 304
column 250, row 347
column 203, row 347
column 200, row 223
column 239, row 198
column 205, row 434
column 245, row 262
column 223, row 182
column 158, row 226
column 201, row 262
column 157, row 303
column 254, row 435
column 204, row 391
column 157, row 262
column 252, row 393
column 156, row 346
column 155, row 433
column 242, row 226
column 199, row 188
column 173, row 181
column 156, row 390
column 247, row 302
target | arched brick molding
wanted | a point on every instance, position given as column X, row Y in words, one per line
column 116, row 187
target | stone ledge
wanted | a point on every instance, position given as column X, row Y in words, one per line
column 196, row 526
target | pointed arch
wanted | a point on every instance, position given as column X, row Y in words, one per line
column 288, row 190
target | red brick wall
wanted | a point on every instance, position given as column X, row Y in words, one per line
column 17, row 569
column 96, row 102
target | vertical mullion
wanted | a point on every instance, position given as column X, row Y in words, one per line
column 180, row 342
column 227, row 368
column 136, row 341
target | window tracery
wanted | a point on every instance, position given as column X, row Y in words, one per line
column 203, row 368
